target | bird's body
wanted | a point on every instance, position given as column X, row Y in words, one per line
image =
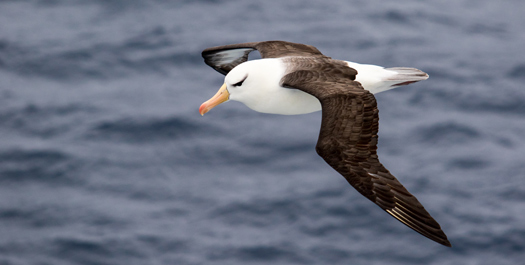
column 294, row 79
column 271, row 97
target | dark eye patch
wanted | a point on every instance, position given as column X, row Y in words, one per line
column 240, row 82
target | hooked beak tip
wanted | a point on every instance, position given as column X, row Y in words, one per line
column 221, row 96
column 202, row 109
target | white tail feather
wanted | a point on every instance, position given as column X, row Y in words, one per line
column 402, row 76
column 406, row 75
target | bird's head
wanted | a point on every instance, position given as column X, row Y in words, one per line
column 250, row 83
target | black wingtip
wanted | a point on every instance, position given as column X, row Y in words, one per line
column 441, row 241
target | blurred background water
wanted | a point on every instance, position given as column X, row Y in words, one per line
column 104, row 158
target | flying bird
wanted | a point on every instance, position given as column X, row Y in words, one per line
column 293, row 78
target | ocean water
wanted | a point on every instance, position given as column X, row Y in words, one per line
column 104, row 158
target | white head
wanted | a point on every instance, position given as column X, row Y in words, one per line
column 252, row 83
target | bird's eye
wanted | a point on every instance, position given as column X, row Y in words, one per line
column 240, row 82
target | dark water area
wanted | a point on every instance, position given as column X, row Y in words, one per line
column 104, row 158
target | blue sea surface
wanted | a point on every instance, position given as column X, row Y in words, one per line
column 104, row 158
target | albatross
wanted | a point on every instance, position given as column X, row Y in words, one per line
column 292, row 78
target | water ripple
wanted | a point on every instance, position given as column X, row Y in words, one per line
column 144, row 130
column 153, row 51
column 49, row 166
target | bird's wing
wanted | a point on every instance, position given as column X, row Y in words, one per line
column 224, row 58
column 348, row 143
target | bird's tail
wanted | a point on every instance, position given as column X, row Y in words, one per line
column 378, row 79
column 405, row 76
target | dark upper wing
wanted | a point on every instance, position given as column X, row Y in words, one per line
column 348, row 140
column 224, row 58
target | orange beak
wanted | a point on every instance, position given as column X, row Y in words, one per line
column 222, row 96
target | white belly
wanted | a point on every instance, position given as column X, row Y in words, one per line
column 288, row 101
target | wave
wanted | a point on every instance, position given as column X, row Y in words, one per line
column 44, row 121
column 153, row 51
column 144, row 130
column 448, row 133
column 45, row 166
